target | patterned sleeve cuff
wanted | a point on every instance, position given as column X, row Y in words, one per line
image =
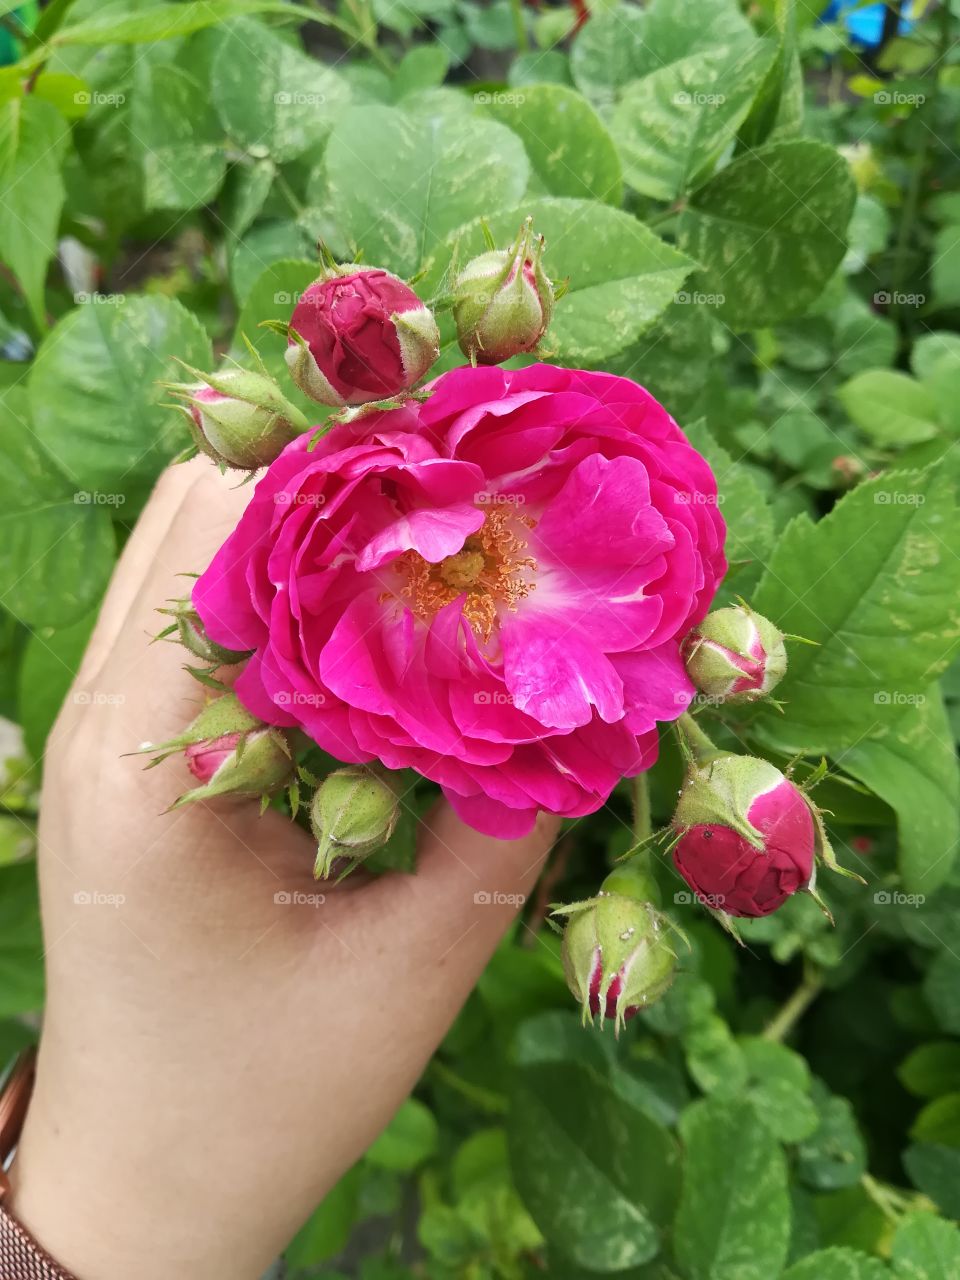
column 21, row 1258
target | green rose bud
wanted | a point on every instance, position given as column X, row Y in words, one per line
column 192, row 634
column 239, row 418
column 616, row 957
column 735, row 655
column 353, row 813
column 502, row 301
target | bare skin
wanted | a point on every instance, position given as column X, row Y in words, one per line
column 213, row 1059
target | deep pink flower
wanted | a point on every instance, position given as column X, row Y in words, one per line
column 205, row 758
column 489, row 587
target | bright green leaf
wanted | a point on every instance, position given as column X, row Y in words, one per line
column 892, row 408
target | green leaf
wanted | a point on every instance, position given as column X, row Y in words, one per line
column 567, row 143
column 179, row 138
column 678, row 28
column 408, row 1140
column 890, row 407
column 837, row 1264
column 33, row 137
column 616, row 291
column 51, row 660
column 56, row 545
column 328, row 1229
column 398, row 184
column 746, row 511
column 939, row 1121
column 94, row 391
column 931, row 1069
column 272, row 297
column 935, row 1170
column 597, row 1175
column 422, row 67
column 945, row 267
column 887, row 624
column 21, row 945
column 734, row 1217
column 609, row 53
column 912, row 764
column 834, row 1155
column 942, row 990
column 165, row 21
column 769, row 230
column 925, row 1248
column 674, row 123
column 271, row 97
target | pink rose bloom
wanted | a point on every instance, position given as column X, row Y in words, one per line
column 490, row 588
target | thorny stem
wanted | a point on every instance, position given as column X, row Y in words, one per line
column 793, row 1010
column 893, row 1204
column 694, row 742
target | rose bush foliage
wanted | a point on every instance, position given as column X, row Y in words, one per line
column 723, row 187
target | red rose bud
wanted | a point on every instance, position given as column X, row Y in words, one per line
column 220, row 717
column 360, row 334
column 353, row 813
column 616, row 959
column 244, row 764
column 747, row 836
column 735, row 655
column 502, row 301
column 192, row 634
column 240, row 418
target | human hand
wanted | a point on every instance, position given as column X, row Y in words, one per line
column 214, row 1057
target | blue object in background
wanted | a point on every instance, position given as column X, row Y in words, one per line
column 865, row 24
column 26, row 16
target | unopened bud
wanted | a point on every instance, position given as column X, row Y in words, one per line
column 192, row 634
column 617, row 958
column 239, row 418
column 735, row 655
column 503, row 301
column 353, row 813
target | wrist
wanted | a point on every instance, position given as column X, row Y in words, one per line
column 103, row 1200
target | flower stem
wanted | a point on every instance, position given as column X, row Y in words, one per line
column 793, row 1010
column 516, row 9
column 642, row 824
column 694, row 742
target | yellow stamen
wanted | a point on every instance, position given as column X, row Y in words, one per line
column 491, row 568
